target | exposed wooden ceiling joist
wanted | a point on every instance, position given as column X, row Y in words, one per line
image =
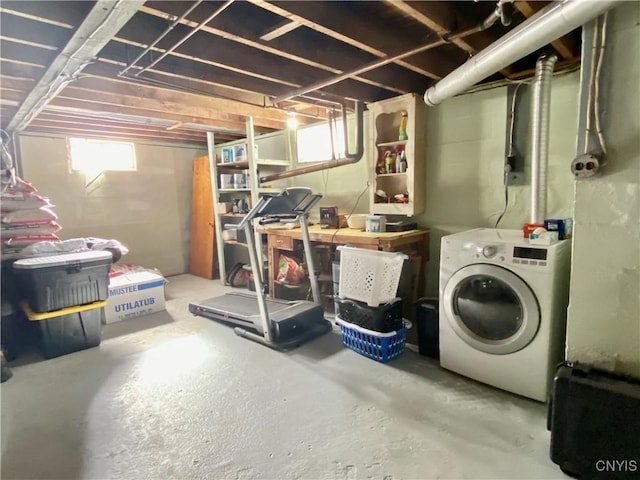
column 332, row 57
column 279, row 31
column 48, row 11
column 124, row 115
column 87, row 124
column 103, row 21
column 566, row 46
column 109, row 83
column 112, row 133
column 442, row 19
column 349, row 29
column 250, row 54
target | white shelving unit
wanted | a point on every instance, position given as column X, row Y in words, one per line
column 276, row 148
column 408, row 184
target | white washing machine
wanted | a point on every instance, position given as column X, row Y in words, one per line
column 503, row 305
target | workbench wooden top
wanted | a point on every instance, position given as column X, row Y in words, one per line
column 347, row 235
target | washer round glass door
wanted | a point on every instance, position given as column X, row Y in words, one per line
column 491, row 309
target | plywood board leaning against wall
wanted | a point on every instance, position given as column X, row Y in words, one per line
column 202, row 250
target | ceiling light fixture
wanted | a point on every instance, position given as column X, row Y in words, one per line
column 292, row 121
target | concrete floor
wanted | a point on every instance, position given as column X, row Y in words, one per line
column 176, row 396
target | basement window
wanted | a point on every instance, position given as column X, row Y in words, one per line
column 93, row 156
column 314, row 142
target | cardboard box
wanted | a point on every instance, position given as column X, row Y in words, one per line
column 134, row 295
column 225, row 207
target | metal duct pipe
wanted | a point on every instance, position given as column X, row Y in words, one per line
column 337, row 162
column 540, row 136
column 550, row 23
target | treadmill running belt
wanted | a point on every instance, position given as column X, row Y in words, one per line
column 240, row 306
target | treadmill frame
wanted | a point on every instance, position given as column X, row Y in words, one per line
column 294, row 203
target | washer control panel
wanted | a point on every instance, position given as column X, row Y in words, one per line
column 489, row 251
column 516, row 255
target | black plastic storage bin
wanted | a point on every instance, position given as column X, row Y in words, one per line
column 594, row 419
column 8, row 327
column 427, row 318
column 68, row 330
column 384, row 318
column 60, row 281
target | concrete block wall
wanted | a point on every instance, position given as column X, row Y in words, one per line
column 465, row 161
column 603, row 326
column 149, row 210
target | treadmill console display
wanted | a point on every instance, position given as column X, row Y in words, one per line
column 530, row 253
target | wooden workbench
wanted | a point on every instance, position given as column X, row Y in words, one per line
column 414, row 243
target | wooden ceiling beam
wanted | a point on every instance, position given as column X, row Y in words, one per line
column 330, row 55
column 81, row 124
column 91, row 107
column 78, row 131
column 182, row 81
column 349, row 28
column 16, row 83
column 33, row 32
column 442, row 18
column 567, row 46
column 214, row 108
column 267, row 117
column 28, row 62
column 16, row 70
column 78, row 108
column 241, row 58
column 93, row 120
column 286, row 27
column 159, row 108
column 102, row 22
column 16, row 52
column 59, row 13
column 28, row 55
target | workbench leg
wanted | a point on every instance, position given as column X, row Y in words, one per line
column 273, row 268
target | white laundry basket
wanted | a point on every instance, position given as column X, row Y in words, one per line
column 369, row 275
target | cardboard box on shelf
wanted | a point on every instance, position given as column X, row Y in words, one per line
column 134, row 295
column 225, row 207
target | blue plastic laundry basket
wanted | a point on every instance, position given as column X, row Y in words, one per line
column 381, row 347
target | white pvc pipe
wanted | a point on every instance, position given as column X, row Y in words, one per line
column 550, row 23
column 539, row 154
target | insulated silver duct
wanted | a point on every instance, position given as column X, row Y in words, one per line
column 540, row 136
column 548, row 24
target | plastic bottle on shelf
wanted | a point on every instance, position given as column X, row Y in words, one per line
column 402, row 131
column 380, row 166
column 388, row 162
column 403, row 162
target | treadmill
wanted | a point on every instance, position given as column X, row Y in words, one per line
column 279, row 324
